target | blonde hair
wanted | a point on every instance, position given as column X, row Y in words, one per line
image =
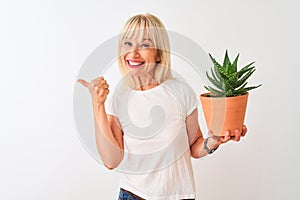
column 152, row 26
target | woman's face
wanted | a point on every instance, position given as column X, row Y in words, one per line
column 139, row 56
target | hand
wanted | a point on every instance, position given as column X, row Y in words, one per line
column 98, row 89
column 223, row 139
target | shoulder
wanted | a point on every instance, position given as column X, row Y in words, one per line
column 184, row 93
column 178, row 85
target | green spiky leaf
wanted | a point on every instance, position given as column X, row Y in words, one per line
column 226, row 64
column 251, row 88
column 234, row 64
column 216, row 83
column 214, row 76
column 227, row 80
column 218, row 68
column 214, row 91
column 245, row 69
column 244, row 78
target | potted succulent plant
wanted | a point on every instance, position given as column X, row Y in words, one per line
column 224, row 106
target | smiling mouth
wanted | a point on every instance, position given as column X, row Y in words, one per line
column 134, row 64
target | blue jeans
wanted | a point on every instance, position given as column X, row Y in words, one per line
column 125, row 195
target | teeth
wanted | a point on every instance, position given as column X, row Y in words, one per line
column 134, row 63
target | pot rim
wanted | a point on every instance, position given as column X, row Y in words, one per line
column 203, row 95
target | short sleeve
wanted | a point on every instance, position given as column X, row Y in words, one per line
column 191, row 100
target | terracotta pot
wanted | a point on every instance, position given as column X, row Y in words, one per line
column 224, row 113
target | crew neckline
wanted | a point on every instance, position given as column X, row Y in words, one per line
column 150, row 89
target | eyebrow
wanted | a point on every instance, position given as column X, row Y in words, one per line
column 144, row 39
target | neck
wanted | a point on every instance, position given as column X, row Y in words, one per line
column 145, row 81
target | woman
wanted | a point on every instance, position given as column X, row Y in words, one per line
column 154, row 160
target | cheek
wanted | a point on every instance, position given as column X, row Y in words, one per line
column 124, row 51
column 149, row 55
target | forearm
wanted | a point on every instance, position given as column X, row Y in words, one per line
column 108, row 147
column 198, row 148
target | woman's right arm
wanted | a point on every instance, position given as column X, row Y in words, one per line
column 109, row 138
column 109, row 135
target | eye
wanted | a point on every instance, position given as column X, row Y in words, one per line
column 127, row 43
column 144, row 45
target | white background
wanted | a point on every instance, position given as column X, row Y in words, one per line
column 43, row 45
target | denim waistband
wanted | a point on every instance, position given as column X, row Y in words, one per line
column 126, row 195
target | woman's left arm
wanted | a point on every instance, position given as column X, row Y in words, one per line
column 201, row 147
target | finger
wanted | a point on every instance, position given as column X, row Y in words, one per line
column 244, row 130
column 106, row 92
column 237, row 135
column 102, row 89
column 100, row 78
column 103, row 92
column 101, row 82
column 95, row 81
column 83, row 82
column 105, row 86
column 226, row 138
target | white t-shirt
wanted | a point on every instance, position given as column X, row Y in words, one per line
column 157, row 159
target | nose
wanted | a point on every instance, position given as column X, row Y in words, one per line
column 134, row 52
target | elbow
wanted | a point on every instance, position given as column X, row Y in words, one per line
column 195, row 151
column 109, row 167
column 111, row 164
column 195, row 154
column 196, row 148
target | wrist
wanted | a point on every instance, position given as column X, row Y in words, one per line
column 210, row 145
column 99, row 108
